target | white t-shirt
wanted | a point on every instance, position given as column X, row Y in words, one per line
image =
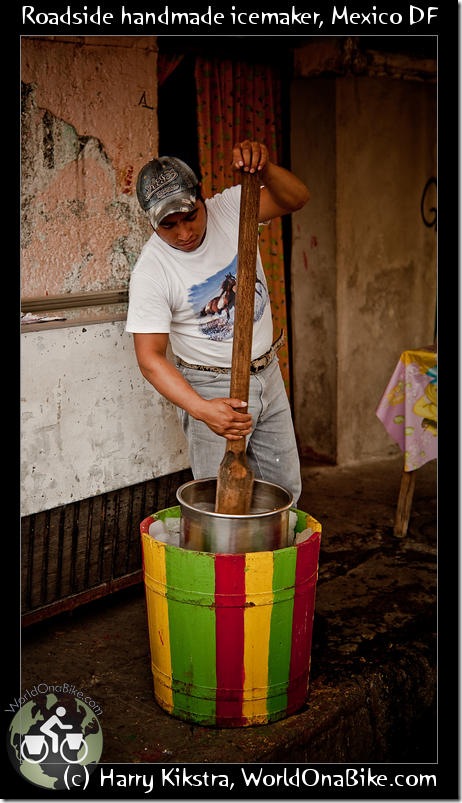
column 190, row 295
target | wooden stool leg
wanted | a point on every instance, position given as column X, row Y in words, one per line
column 403, row 510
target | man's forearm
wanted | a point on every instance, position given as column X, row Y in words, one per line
column 285, row 188
column 224, row 416
column 168, row 381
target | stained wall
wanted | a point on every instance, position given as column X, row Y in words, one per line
column 89, row 123
column 364, row 260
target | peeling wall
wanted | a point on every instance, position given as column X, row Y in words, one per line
column 364, row 262
column 89, row 123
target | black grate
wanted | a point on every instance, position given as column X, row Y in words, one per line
column 78, row 552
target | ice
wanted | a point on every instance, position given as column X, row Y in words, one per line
column 291, row 527
column 167, row 531
column 303, row 536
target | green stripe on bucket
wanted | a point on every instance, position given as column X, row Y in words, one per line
column 284, row 561
column 191, row 613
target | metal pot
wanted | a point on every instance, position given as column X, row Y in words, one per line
column 264, row 529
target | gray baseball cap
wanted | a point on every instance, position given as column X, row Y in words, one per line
column 165, row 186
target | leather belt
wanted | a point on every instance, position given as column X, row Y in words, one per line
column 255, row 366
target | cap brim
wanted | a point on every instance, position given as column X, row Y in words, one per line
column 171, row 207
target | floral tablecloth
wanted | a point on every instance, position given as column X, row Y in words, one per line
column 408, row 408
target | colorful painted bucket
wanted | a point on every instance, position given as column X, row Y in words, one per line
column 230, row 635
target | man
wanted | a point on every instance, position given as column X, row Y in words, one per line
column 182, row 291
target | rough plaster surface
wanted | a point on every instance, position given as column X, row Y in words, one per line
column 314, row 275
column 363, row 260
column 95, row 424
column 386, row 256
column 88, row 125
column 105, row 90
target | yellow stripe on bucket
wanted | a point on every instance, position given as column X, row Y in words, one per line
column 257, row 623
column 157, row 613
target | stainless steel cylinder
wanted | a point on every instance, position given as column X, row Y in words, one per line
column 264, row 529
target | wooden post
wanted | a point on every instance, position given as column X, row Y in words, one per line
column 403, row 510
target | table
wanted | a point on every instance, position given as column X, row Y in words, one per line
column 408, row 410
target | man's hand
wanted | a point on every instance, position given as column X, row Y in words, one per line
column 249, row 156
column 223, row 418
column 281, row 191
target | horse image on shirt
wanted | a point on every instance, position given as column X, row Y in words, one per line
column 214, row 302
column 224, row 301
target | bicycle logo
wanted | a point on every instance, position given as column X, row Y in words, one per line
column 54, row 744
column 35, row 743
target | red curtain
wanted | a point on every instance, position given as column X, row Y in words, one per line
column 237, row 101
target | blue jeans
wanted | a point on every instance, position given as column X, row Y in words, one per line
column 272, row 452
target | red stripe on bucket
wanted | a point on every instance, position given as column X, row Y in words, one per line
column 302, row 622
column 229, row 623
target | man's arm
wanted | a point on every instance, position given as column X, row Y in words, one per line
column 219, row 414
column 282, row 192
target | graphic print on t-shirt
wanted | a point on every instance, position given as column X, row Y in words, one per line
column 213, row 302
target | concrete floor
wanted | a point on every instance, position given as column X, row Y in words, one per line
column 372, row 694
